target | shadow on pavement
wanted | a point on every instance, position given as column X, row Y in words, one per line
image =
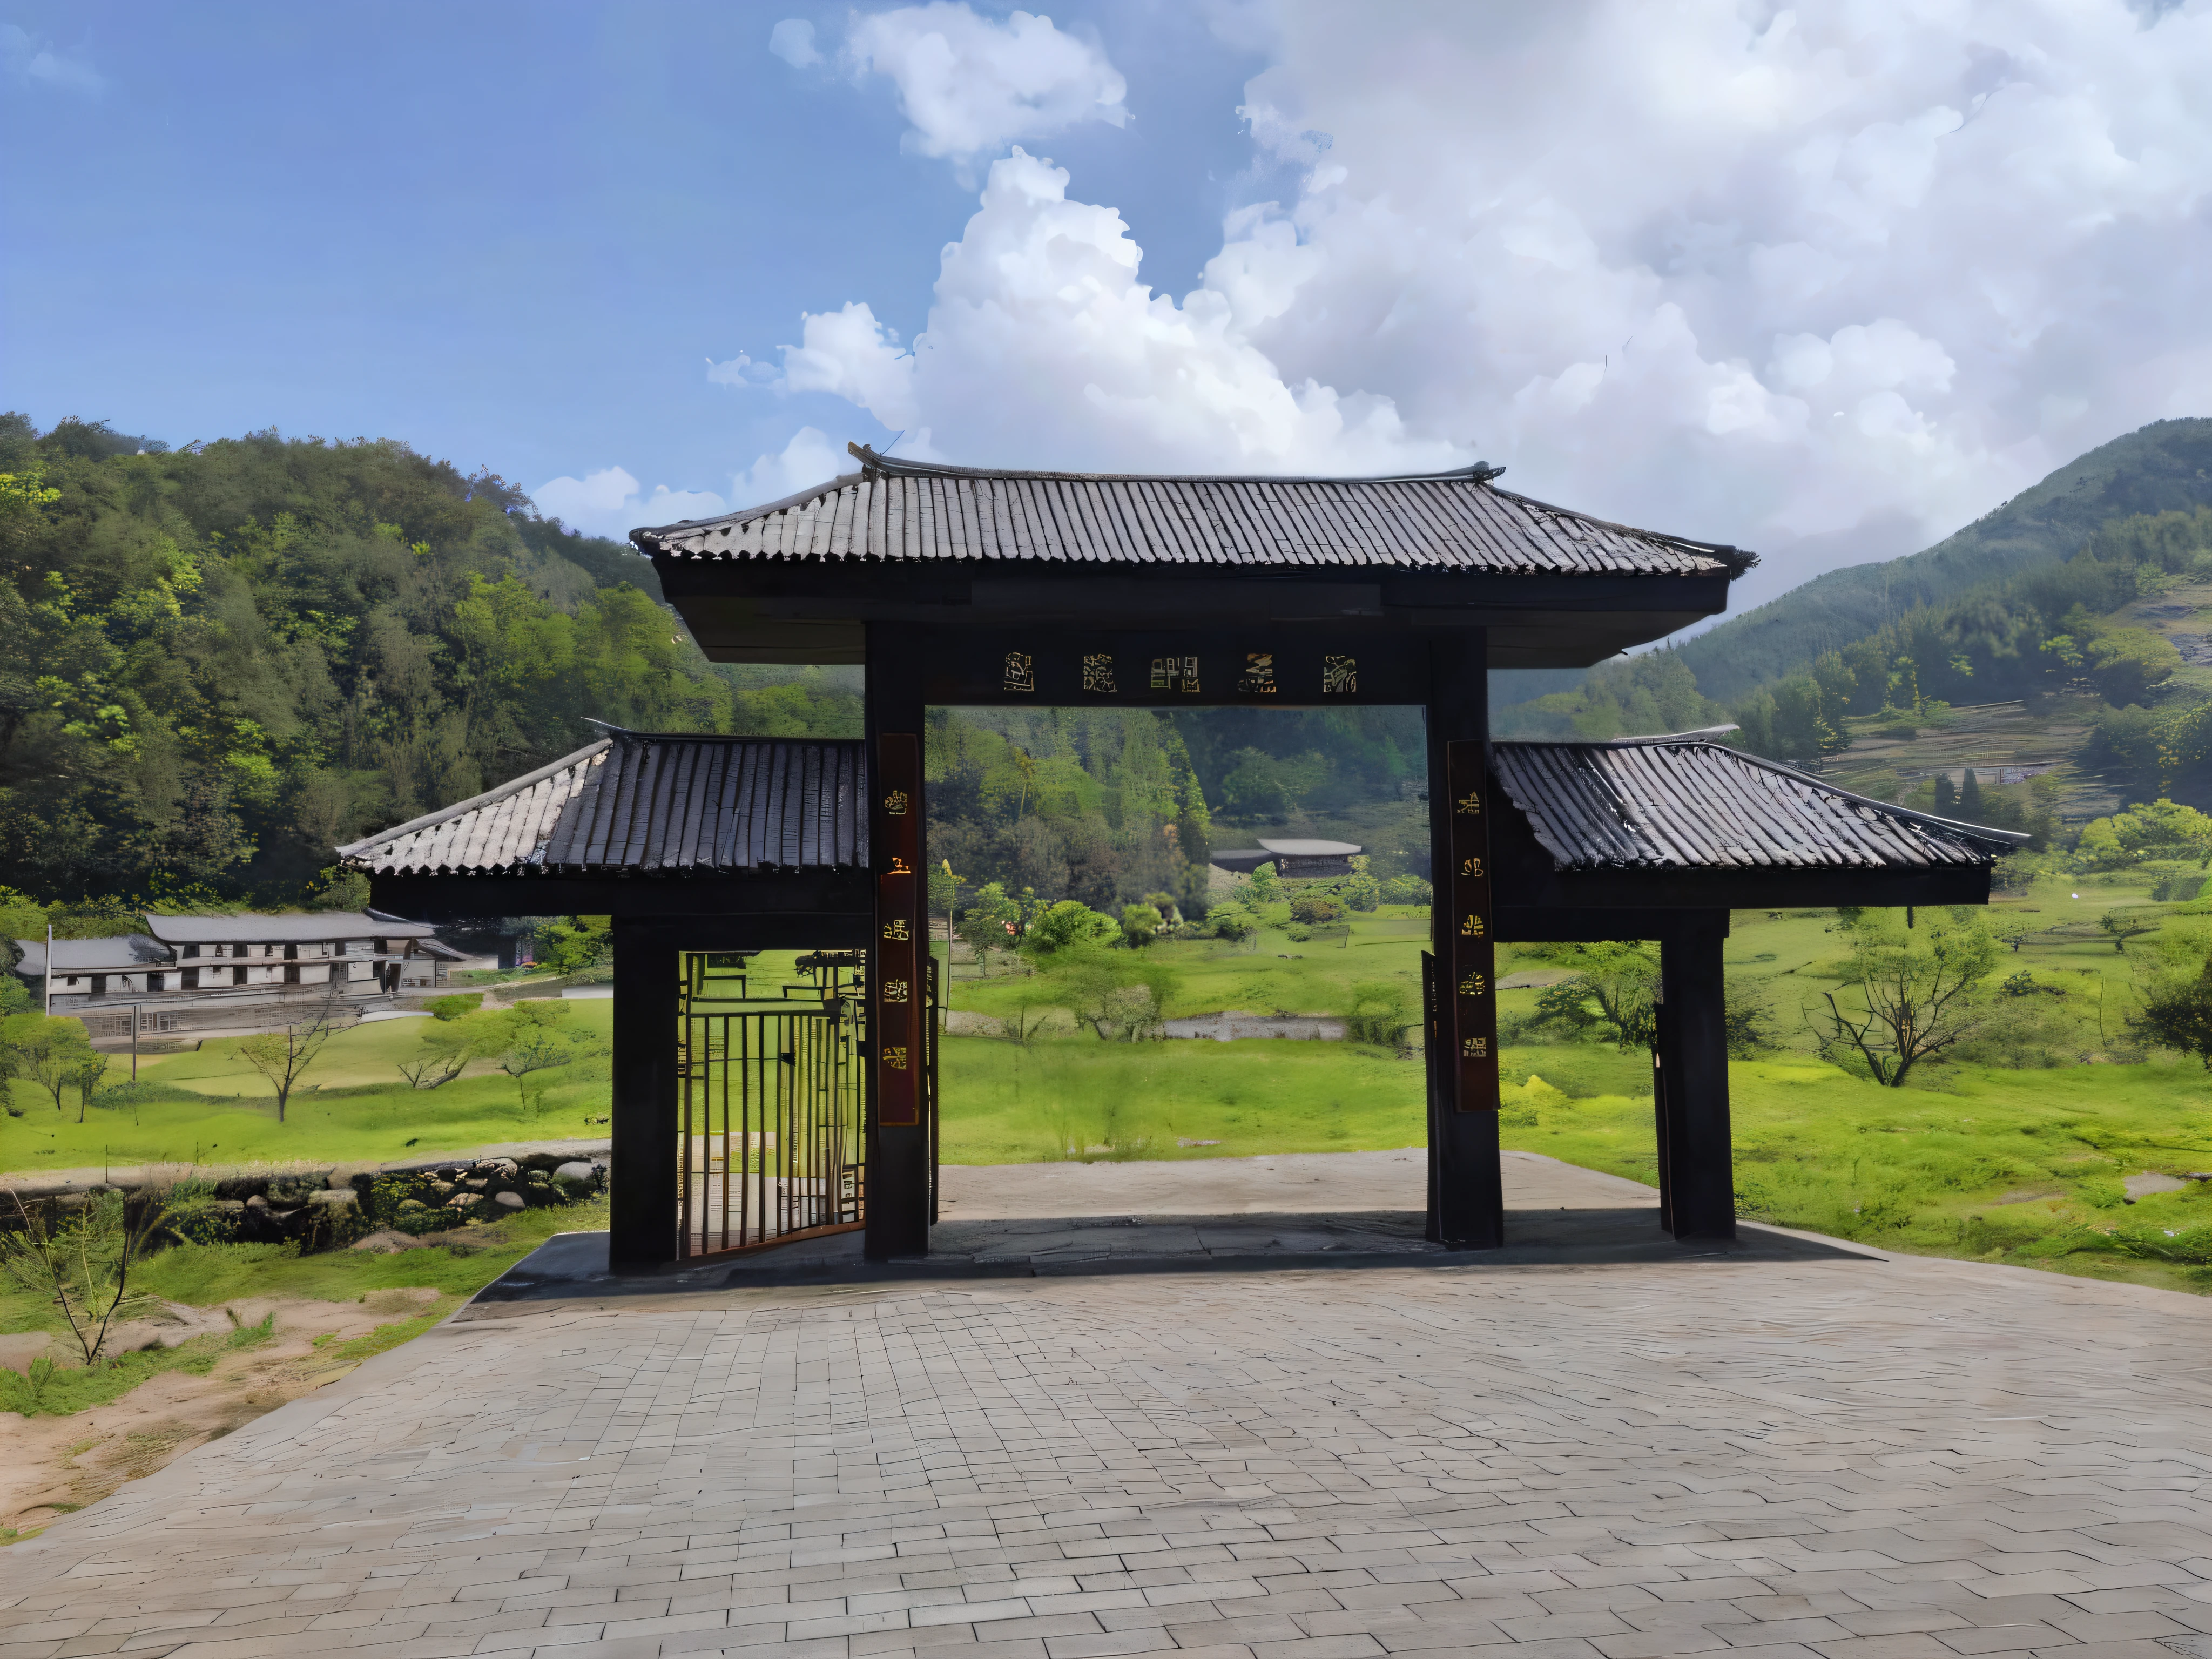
column 574, row 1266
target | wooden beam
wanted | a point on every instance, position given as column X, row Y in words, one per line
column 642, row 1122
column 1467, row 1201
column 825, row 908
column 1697, row 1156
column 898, row 1136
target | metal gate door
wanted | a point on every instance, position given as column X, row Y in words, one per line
column 772, row 1147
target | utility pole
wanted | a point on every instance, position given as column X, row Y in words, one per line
column 50, row 970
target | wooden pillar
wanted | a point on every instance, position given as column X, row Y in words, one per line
column 642, row 1199
column 900, row 1144
column 1467, row 1202
column 1697, row 1157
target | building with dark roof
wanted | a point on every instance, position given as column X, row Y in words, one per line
column 202, row 976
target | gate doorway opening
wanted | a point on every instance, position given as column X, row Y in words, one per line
column 771, row 1131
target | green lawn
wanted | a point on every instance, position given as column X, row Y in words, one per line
column 209, row 1107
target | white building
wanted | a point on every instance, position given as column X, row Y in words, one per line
column 204, row 976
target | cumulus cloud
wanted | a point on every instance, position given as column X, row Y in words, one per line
column 1044, row 348
column 1833, row 280
column 810, row 458
column 608, row 503
column 792, row 41
column 27, row 59
column 970, row 86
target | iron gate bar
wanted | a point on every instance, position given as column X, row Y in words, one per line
column 770, row 1114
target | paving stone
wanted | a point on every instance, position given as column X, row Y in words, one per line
column 1787, row 1455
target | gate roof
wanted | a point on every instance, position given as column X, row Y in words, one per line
column 1064, row 555
column 1688, row 803
column 907, row 512
column 638, row 802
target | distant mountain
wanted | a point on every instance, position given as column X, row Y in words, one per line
column 2166, row 466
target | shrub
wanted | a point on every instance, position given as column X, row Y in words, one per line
column 1406, row 890
column 1316, row 909
column 453, row 1007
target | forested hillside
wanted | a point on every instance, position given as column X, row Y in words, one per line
column 217, row 663
column 2164, row 467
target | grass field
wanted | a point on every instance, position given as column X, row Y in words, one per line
column 1973, row 1159
column 210, row 1107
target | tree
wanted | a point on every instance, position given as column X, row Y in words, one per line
column 1381, row 1009
column 81, row 1263
column 989, row 922
column 2176, row 1013
column 2124, row 925
column 1069, row 923
column 1920, row 991
column 283, row 1056
column 49, row 1050
column 1140, row 924
column 89, row 1071
column 1747, row 1018
column 1265, row 886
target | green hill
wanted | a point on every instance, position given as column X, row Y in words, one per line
column 2164, row 467
column 216, row 663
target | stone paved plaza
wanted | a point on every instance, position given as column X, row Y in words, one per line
column 1838, row 1455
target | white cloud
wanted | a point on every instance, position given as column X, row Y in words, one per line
column 808, row 458
column 970, row 86
column 792, row 41
column 27, row 60
column 1043, row 348
column 1840, row 278
column 607, row 503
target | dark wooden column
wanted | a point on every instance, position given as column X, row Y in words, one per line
column 1467, row 1202
column 642, row 1223
column 899, row 1140
column 1697, row 1157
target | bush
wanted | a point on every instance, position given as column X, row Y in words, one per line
column 454, row 1007
column 1315, row 910
column 1406, row 890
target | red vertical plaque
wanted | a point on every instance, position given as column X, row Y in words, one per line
column 900, row 933
column 1473, row 964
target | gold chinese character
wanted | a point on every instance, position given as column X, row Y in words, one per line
column 895, row 990
column 897, row 931
column 1474, row 985
column 1476, row 1048
column 1175, row 674
column 895, row 804
column 1098, row 675
column 1470, row 866
column 1472, row 806
column 1471, row 928
column 1021, row 674
column 1339, row 676
column 1258, row 679
column 895, row 1058
column 899, row 867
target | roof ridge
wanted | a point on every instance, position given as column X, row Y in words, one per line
column 498, row 792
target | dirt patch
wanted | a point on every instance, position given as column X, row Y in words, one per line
column 50, row 1465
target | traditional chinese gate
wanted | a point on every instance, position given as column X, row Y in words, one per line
column 771, row 1140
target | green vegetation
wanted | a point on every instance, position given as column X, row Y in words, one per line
column 2161, row 468
column 216, row 663
column 215, row 1275
column 353, row 1103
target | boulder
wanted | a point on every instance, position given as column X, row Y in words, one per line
column 512, row 1201
column 577, row 1173
column 335, row 1198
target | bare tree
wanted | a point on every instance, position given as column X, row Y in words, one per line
column 1920, row 991
column 82, row 1265
column 282, row 1056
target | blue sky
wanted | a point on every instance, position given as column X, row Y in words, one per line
column 1827, row 283
column 512, row 235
